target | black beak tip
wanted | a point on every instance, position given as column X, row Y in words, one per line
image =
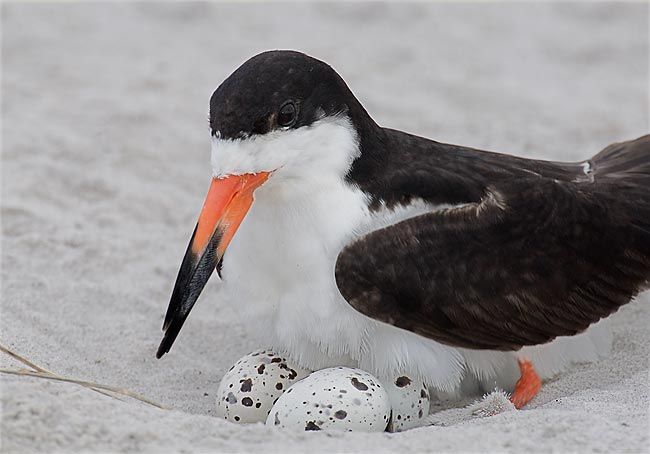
column 162, row 348
column 171, row 333
column 192, row 277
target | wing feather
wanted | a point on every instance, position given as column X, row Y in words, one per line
column 532, row 260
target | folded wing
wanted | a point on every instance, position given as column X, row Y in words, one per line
column 532, row 260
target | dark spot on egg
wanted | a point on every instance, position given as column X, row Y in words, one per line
column 247, row 402
column 420, row 413
column 236, row 418
column 258, row 405
column 276, row 360
column 246, row 385
column 341, row 414
column 278, row 386
column 231, row 399
column 423, row 394
column 260, row 370
column 361, row 386
column 402, row 381
column 292, row 374
column 311, row 425
column 277, row 420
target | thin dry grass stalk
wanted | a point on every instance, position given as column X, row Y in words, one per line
column 37, row 368
column 40, row 372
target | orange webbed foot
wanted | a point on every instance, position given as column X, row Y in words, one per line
column 527, row 386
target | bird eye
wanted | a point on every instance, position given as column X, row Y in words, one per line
column 287, row 115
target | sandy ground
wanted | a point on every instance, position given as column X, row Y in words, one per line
column 105, row 163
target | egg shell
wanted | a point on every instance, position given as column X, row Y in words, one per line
column 334, row 399
column 249, row 389
column 409, row 400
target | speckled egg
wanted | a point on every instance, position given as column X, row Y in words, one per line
column 335, row 399
column 409, row 401
column 250, row 388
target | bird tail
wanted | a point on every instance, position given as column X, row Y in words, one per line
column 623, row 171
column 627, row 161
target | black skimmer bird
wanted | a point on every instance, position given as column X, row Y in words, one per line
column 371, row 247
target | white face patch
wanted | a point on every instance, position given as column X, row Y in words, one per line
column 325, row 148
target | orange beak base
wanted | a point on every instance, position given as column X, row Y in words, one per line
column 225, row 207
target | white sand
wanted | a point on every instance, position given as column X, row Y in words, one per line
column 105, row 164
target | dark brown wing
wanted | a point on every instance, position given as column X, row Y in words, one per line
column 534, row 259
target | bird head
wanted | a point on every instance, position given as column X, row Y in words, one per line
column 282, row 117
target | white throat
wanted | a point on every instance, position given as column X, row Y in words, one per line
column 325, row 148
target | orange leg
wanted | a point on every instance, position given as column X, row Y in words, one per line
column 527, row 386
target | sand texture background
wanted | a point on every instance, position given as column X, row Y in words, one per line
column 105, row 163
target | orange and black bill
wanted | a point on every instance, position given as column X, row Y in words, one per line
column 225, row 207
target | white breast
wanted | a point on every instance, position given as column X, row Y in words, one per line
column 279, row 271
